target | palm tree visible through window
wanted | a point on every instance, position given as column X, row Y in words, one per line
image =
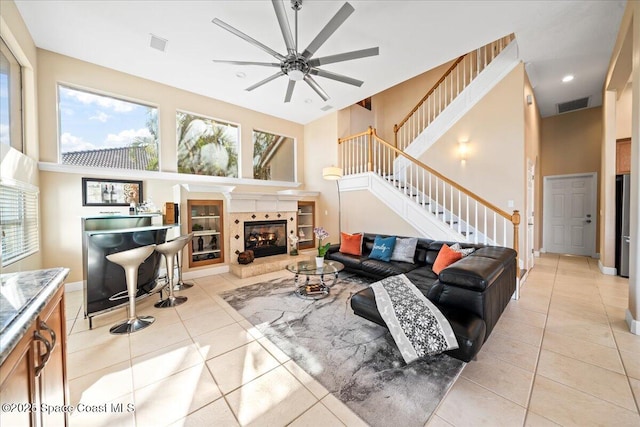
column 206, row 146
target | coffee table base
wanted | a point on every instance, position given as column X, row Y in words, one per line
column 318, row 291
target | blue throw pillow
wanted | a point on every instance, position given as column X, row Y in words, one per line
column 382, row 248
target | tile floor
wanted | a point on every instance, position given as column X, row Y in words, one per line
column 561, row 355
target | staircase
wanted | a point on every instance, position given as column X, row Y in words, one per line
column 467, row 80
column 434, row 205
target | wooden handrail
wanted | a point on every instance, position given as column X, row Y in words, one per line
column 372, row 132
column 424, row 98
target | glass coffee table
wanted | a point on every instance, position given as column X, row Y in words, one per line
column 308, row 269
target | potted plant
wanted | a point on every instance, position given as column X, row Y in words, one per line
column 321, row 234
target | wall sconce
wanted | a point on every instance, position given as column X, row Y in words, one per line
column 463, row 149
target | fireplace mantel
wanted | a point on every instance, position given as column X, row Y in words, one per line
column 281, row 201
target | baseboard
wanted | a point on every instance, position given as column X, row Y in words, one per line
column 195, row 274
column 634, row 325
column 73, row 286
column 609, row 271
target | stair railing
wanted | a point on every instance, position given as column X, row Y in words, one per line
column 461, row 209
column 459, row 75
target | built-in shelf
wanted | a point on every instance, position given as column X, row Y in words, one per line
column 306, row 221
column 205, row 221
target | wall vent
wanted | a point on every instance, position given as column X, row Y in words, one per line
column 576, row 104
column 327, row 107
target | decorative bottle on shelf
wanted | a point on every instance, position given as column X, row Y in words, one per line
column 214, row 242
column 105, row 195
column 112, row 195
column 200, row 244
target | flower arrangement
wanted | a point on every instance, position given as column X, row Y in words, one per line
column 321, row 234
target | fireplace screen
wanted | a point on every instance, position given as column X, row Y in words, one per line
column 265, row 238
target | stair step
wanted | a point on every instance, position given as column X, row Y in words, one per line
column 465, row 233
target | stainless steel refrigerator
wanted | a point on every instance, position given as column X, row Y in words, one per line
column 623, row 240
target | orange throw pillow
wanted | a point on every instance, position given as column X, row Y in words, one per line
column 351, row 243
column 445, row 258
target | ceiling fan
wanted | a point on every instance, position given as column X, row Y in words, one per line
column 300, row 66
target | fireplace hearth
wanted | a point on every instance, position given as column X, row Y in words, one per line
column 265, row 238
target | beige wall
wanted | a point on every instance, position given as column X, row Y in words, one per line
column 532, row 123
column 321, row 150
column 494, row 129
column 623, row 113
column 14, row 164
column 61, row 191
column 571, row 143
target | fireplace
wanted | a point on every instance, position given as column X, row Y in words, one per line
column 265, row 238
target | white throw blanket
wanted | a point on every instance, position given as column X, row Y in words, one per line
column 417, row 326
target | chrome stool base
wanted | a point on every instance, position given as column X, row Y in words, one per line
column 170, row 302
column 181, row 286
column 132, row 325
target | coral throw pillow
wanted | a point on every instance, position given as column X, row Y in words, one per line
column 351, row 243
column 445, row 258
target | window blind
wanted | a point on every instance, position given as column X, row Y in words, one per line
column 18, row 220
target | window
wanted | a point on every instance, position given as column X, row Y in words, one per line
column 18, row 220
column 273, row 157
column 206, row 146
column 10, row 99
column 102, row 131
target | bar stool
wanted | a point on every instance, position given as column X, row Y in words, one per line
column 130, row 260
column 169, row 250
column 182, row 285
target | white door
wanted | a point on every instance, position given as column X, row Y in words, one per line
column 530, row 259
column 569, row 214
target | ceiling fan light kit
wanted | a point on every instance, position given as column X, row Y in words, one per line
column 300, row 66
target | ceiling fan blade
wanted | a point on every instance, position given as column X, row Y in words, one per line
column 267, row 80
column 335, row 76
column 335, row 22
column 281, row 14
column 265, row 64
column 290, row 86
column 347, row 56
column 247, row 38
column 315, row 86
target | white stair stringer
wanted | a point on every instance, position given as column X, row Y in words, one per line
column 425, row 222
column 469, row 233
column 497, row 70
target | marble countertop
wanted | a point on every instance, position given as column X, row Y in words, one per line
column 23, row 295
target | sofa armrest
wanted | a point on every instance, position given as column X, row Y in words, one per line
column 476, row 273
column 334, row 248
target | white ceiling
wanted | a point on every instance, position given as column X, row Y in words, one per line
column 555, row 38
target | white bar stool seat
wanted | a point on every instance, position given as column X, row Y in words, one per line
column 169, row 250
column 130, row 260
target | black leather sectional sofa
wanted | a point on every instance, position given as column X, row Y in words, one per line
column 472, row 293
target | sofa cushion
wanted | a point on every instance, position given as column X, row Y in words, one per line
column 445, row 258
column 351, row 262
column 351, row 243
column 404, row 250
column 379, row 268
column 472, row 272
column 383, row 248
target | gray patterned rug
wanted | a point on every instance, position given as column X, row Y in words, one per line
column 356, row 360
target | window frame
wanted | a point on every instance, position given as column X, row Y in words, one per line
column 21, row 97
column 217, row 120
column 295, row 155
column 117, row 97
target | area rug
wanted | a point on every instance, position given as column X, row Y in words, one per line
column 356, row 360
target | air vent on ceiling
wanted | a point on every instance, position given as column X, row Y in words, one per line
column 158, row 43
column 576, row 104
column 327, row 107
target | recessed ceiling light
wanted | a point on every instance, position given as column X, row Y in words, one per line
column 567, row 78
column 240, row 75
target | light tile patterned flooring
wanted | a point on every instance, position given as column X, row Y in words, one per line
column 561, row 355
